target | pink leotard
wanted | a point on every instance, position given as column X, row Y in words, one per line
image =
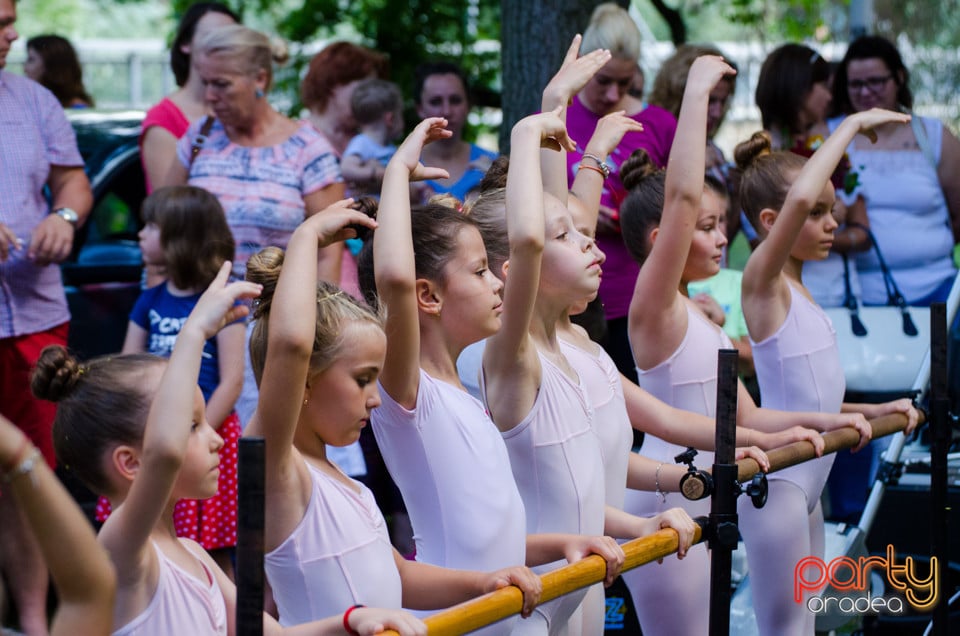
column 182, row 604
column 555, row 457
column 339, row 555
column 451, row 465
column 671, row 598
column 799, row 369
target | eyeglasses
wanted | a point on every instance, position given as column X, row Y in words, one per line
column 872, row 84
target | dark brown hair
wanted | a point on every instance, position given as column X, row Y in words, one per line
column 100, row 404
column 62, row 73
column 194, row 234
column 642, row 208
column 787, row 75
column 865, row 47
column 435, row 228
column 180, row 61
column 766, row 175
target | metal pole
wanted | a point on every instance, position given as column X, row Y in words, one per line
column 940, row 438
column 723, row 533
column 250, row 520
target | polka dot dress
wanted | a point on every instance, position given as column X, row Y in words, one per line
column 210, row 522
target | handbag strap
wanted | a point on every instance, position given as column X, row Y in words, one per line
column 200, row 139
column 850, row 301
column 894, row 296
column 920, row 132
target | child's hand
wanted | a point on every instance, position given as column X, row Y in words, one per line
column 218, row 304
column 706, row 71
column 373, row 620
column 857, row 421
column 679, row 520
column 905, row 406
column 709, row 306
column 408, row 154
column 610, row 131
column 573, row 74
column 524, row 578
column 869, row 119
column 789, row 436
column 582, row 546
column 334, row 223
column 755, row 454
column 549, row 128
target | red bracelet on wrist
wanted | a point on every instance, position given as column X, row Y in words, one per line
column 346, row 620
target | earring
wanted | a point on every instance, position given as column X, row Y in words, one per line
column 305, row 400
column 258, row 94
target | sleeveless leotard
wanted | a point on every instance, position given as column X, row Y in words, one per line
column 798, row 369
column 451, row 465
column 181, row 604
column 339, row 555
column 555, row 459
column 670, row 598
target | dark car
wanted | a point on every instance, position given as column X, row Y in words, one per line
column 102, row 276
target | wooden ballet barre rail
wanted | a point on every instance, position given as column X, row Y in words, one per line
column 799, row 452
column 507, row 601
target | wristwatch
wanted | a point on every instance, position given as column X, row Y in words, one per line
column 69, row 215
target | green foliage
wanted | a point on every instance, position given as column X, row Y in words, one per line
column 785, row 21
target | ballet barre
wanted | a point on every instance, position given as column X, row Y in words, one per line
column 507, row 601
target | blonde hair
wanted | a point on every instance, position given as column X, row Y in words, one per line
column 249, row 50
column 612, row 28
column 335, row 309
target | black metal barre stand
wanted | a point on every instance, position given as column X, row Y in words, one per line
column 250, row 522
column 940, row 425
column 722, row 533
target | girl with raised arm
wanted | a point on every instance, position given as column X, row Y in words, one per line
column 535, row 396
column 166, row 585
column 673, row 341
column 317, row 353
column 790, row 200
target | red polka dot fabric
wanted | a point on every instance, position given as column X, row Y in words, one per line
column 210, row 522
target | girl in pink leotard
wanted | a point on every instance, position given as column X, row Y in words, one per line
column 133, row 427
column 534, row 394
column 790, row 199
column 674, row 343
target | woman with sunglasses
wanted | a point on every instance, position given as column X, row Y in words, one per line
column 909, row 178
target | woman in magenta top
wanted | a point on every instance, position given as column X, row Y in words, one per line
column 169, row 119
column 612, row 28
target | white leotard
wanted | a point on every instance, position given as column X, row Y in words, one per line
column 556, row 461
column 451, row 465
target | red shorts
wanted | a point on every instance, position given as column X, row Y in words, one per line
column 33, row 416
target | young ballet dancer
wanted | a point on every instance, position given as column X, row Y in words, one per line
column 429, row 267
column 81, row 570
column 166, row 585
column 186, row 235
column 534, row 396
column 789, row 200
column 317, row 353
column 674, row 343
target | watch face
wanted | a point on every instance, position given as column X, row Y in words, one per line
column 67, row 215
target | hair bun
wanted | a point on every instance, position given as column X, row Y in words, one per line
column 55, row 375
column 264, row 268
column 746, row 152
column 279, row 51
column 638, row 167
column 496, row 175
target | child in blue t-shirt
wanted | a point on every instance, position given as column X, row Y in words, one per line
column 187, row 236
column 377, row 106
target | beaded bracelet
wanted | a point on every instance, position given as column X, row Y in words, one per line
column 24, row 467
column 346, row 620
column 663, row 495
